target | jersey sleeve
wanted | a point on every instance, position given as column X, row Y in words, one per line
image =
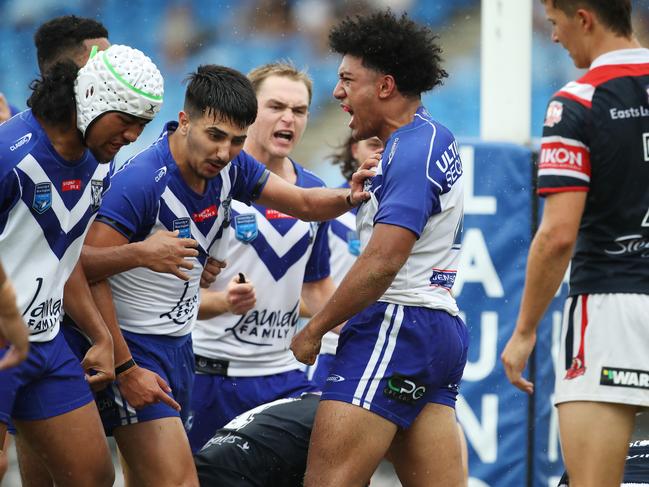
column 564, row 160
column 130, row 206
column 414, row 178
column 249, row 178
column 318, row 266
column 9, row 195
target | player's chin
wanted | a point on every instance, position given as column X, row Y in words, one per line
column 104, row 156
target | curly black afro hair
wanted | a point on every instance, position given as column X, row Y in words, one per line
column 394, row 46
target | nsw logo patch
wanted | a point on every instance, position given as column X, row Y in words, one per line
column 42, row 198
column 183, row 227
column 246, row 227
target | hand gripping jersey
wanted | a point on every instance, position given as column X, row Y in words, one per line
column 596, row 139
column 46, row 207
column 419, row 186
column 277, row 252
column 151, row 195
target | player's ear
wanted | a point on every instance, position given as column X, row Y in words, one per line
column 386, row 86
column 183, row 122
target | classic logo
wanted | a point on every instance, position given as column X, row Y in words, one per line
column 71, row 185
column 160, row 174
column 20, row 142
column 42, row 198
column 183, row 227
column 636, row 379
column 393, row 149
column 335, row 378
column 246, row 227
column 554, row 113
column 96, row 192
column 403, row 389
column 206, row 214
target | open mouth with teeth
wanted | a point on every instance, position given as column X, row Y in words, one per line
column 286, row 135
column 349, row 110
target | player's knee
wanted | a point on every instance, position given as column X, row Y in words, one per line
column 102, row 475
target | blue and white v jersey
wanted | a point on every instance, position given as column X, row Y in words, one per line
column 419, row 186
column 344, row 247
column 46, row 207
column 277, row 253
column 150, row 195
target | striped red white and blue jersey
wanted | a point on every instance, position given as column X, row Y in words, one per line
column 596, row 140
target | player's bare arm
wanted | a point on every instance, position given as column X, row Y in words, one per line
column 547, row 262
column 367, row 280
column 139, row 386
column 98, row 363
column 13, row 331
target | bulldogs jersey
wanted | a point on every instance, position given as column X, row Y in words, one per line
column 596, row 139
column 151, row 195
column 419, row 186
column 46, row 207
column 344, row 247
column 277, row 253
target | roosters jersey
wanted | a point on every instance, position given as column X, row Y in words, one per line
column 596, row 139
column 419, row 186
column 277, row 253
column 46, row 207
column 150, row 195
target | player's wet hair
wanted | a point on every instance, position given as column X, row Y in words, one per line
column 614, row 14
column 223, row 93
column 52, row 99
column 62, row 37
column 395, row 46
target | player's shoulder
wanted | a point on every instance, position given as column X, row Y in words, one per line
column 421, row 140
column 149, row 167
column 18, row 137
column 307, row 178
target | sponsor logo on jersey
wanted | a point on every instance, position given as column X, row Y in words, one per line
column 227, row 439
column 71, row 185
column 206, row 214
column 183, row 227
column 404, row 389
column 563, row 154
column 335, row 378
column 630, row 245
column 636, row 379
column 184, row 309
column 20, row 142
column 246, row 229
column 263, row 327
column 42, row 198
column 554, row 113
column 449, row 164
column 96, row 192
column 393, row 149
column 634, row 112
column 274, row 215
column 443, row 278
column 160, row 174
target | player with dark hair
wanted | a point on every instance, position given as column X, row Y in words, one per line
column 68, row 37
column 55, row 173
column 184, row 182
column 401, row 356
column 594, row 173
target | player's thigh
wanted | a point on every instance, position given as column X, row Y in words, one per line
column 33, row 472
column 347, row 444
column 157, row 452
column 72, row 446
column 5, row 443
column 429, row 452
column 595, row 440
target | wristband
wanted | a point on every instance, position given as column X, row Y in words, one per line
column 130, row 363
column 348, row 199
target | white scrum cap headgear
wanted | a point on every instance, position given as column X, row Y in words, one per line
column 119, row 79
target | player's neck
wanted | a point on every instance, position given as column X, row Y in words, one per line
column 178, row 149
column 400, row 112
column 611, row 43
column 281, row 166
column 66, row 141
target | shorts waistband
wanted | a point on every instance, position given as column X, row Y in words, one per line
column 211, row 366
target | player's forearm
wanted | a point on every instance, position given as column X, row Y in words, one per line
column 80, row 306
column 8, row 308
column 546, row 265
column 103, row 298
column 103, row 262
column 213, row 303
column 315, row 295
column 310, row 204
